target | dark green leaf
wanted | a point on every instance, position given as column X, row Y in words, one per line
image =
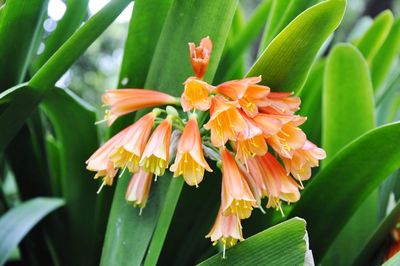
column 18, row 221
column 18, row 110
column 74, row 15
column 20, row 21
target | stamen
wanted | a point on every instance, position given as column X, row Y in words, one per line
column 101, row 187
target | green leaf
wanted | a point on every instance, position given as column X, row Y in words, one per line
column 343, row 123
column 128, row 234
column 383, row 61
column 74, row 15
column 311, row 102
column 19, row 24
column 347, row 81
column 285, row 63
column 232, row 54
column 140, row 45
column 330, row 200
column 283, row 244
column 378, row 236
column 283, row 13
column 18, row 221
column 373, row 39
column 276, row 13
column 18, row 110
column 77, row 186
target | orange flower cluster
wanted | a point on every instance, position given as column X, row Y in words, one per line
column 254, row 131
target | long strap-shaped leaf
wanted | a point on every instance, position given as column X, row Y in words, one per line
column 285, row 63
column 71, row 20
column 348, row 112
column 18, row 27
column 361, row 166
column 17, row 222
column 77, row 186
column 283, row 244
column 18, row 110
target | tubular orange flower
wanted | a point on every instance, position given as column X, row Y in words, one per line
column 227, row 229
column 189, row 161
column 236, row 197
column 225, row 121
column 290, row 138
column 281, row 103
column 196, row 95
column 155, row 157
column 268, row 124
column 138, row 189
column 272, row 181
column 199, row 56
column 247, row 93
column 250, row 141
column 125, row 101
column 303, row 160
column 132, row 144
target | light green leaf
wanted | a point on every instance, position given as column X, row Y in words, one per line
column 378, row 236
column 373, row 39
column 285, row 63
column 19, row 24
column 348, row 112
column 232, row 54
column 278, row 9
column 283, row 244
column 383, row 61
column 18, row 221
column 311, row 102
column 18, row 110
column 348, row 101
column 336, row 192
column 284, row 13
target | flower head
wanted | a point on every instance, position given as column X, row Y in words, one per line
column 227, row 229
column 225, row 121
column 246, row 91
column 155, row 157
column 125, row 101
column 236, row 197
column 138, row 189
column 189, row 161
column 132, row 143
column 196, row 95
column 199, row 56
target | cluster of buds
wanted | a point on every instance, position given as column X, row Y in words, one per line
column 251, row 132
